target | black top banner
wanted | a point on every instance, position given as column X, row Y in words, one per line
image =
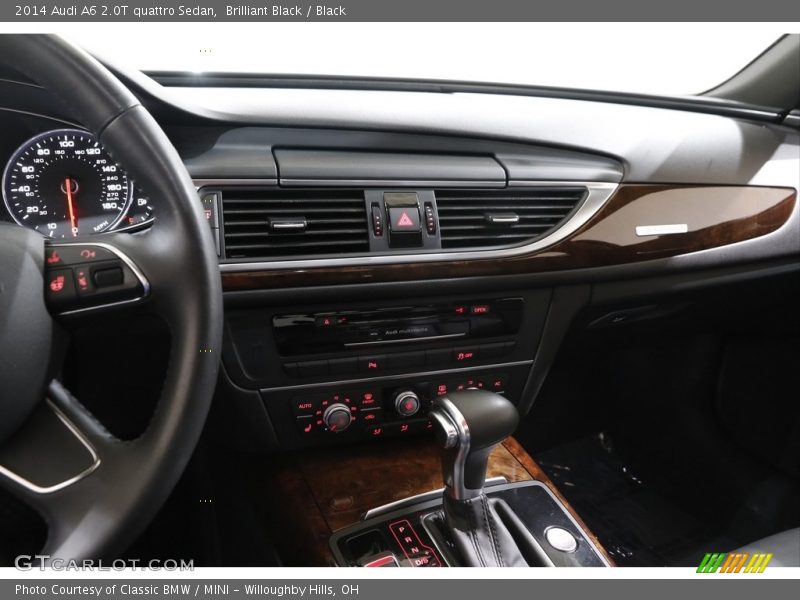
column 54, row 11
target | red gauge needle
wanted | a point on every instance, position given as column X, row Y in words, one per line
column 73, row 220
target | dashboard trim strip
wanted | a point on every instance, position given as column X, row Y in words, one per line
column 722, row 221
column 342, row 382
column 404, row 183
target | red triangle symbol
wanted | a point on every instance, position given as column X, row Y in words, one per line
column 405, row 221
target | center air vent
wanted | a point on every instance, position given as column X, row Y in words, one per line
column 267, row 223
column 488, row 218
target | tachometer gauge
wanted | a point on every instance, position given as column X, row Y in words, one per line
column 64, row 184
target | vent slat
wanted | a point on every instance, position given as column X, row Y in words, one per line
column 336, row 223
column 297, row 235
column 464, row 223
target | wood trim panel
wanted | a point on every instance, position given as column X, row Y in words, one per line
column 324, row 490
column 715, row 216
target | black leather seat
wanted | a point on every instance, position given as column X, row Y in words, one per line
column 784, row 546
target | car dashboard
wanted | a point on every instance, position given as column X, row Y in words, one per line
column 381, row 248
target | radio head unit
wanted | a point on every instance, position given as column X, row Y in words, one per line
column 340, row 331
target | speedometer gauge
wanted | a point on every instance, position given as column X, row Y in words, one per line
column 64, row 184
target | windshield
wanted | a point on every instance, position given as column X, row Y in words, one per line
column 687, row 59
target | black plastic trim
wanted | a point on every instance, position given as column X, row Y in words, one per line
column 701, row 104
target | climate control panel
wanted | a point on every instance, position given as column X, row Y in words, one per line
column 386, row 409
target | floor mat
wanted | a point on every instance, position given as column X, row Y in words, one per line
column 634, row 520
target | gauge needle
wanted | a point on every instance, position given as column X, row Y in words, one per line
column 73, row 221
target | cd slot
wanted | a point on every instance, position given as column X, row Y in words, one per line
column 405, row 340
column 326, row 332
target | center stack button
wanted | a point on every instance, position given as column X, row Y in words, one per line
column 407, row 403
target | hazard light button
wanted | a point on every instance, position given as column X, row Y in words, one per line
column 404, row 226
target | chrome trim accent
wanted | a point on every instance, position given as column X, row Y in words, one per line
column 447, row 427
column 405, row 340
column 201, row 183
column 124, row 258
column 59, row 486
column 645, row 230
column 418, row 499
column 561, row 539
column 457, row 488
column 288, row 225
column 339, row 382
column 598, row 194
column 381, row 183
column 502, row 219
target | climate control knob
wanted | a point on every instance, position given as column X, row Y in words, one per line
column 337, row 417
column 407, row 403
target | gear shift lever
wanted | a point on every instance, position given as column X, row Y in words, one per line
column 469, row 425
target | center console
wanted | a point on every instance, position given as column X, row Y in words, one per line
column 370, row 375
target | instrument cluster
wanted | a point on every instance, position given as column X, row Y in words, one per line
column 63, row 184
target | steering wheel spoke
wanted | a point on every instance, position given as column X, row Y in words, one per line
column 58, row 447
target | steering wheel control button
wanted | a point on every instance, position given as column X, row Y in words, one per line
column 93, row 276
column 109, row 277
column 78, row 254
column 60, row 288
column 52, row 257
column 561, row 539
column 83, row 282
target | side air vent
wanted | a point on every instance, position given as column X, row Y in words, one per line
column 487, row 218
column 271, row 223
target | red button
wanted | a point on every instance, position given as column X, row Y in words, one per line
column 480, row 309
column 52, row 257
column 371, row 363
column 465, row 355
column 82, row 279
column 58, row 284
column 304, row 407
column 460, row 310
column 305, row 425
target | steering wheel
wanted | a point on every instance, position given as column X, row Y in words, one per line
column 95, row 492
